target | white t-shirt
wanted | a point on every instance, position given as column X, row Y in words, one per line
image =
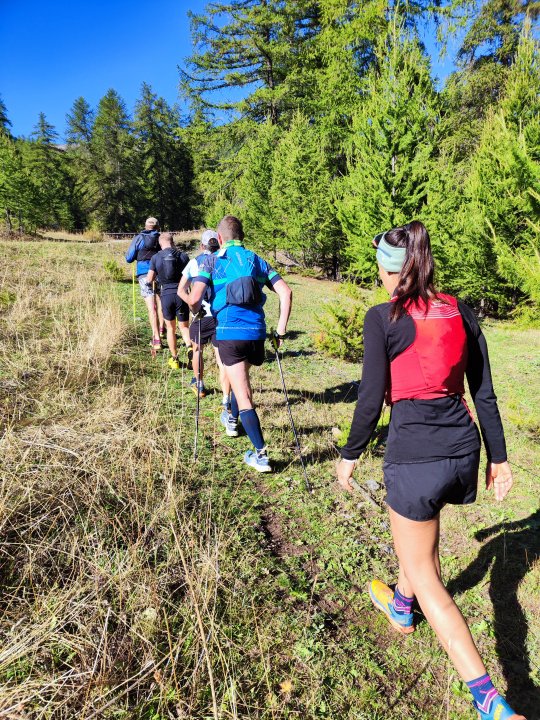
column 191, row 271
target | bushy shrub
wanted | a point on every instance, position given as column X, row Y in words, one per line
column 113, row 270
column 341, row 325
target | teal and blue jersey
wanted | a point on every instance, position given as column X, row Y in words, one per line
column 236, row 278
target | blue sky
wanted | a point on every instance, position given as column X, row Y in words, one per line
column 53, row 52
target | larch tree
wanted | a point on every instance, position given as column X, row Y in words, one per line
column 116, row 184
column 303, row 213
column 504, row 185
column 391, row 148
column 166, row 169
column 48, row 166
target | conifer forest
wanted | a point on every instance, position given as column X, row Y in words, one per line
column 320, row 124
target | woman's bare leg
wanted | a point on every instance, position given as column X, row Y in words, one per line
column 417, row 545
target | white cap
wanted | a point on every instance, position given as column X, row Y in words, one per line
column 207, row 236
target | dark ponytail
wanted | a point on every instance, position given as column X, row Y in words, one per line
column 416, row 277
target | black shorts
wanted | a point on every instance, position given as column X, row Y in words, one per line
column 208, row 331
column 174, row 307
column 232, row 352
column 418, row 491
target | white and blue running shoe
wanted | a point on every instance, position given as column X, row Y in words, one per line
column 259, row 461
column 229, row 423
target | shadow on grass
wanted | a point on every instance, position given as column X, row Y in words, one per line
column 512, row 549
column 346, row 392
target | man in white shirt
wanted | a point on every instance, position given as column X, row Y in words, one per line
column 204, row 328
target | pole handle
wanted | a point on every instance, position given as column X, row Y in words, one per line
column 273, row 337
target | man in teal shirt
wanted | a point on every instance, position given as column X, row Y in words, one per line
column 237, row 277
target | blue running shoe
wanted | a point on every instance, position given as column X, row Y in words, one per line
column 383, row 599
column 197, row 386
column 499, row 710
column 259, row 462
column 229, row 423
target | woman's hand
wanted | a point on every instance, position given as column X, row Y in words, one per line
column 499, row 476
column 344, row 472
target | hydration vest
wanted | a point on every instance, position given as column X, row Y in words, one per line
column 434, row 364
column 143, row 247
column 149, row 245
column 171, row 263
column 207, row 296
column 242, row 285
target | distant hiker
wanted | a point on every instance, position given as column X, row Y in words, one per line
column 142, row 249
column 166, row 266
column 205, row 327
column 417, row 350
column 236, row 277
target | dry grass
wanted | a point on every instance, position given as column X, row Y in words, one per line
column 84, row 236
column 104, row 557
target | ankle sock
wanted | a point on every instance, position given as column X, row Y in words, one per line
column 402, row 603
column 252, row 426
column 483, row 692
column 233, row 410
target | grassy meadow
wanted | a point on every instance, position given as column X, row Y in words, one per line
column 138, row 584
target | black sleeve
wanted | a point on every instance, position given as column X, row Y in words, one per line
column 153, row 261
column 184, row 259
column 372, row 387
column 481, row 387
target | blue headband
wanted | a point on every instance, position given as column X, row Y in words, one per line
column 390, row 257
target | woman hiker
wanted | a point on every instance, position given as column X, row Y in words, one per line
column 418, row 347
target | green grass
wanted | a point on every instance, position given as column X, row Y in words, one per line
column 138, row 584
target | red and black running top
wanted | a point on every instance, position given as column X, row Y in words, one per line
column 419, row 364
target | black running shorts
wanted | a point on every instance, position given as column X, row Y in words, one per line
column 232, row 352
column 208, row 331
column 418, row 491
column 174, row 307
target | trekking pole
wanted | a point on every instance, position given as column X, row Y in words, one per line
column 197, row 387
column 133, row 293
column 153, row 350
column 274, row 341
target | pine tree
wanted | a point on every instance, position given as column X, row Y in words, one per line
column 495, row 30
column 486, row 54
column 80, row 123
column 504, row 185
column 166, row 166
column 5, row 123
column 254, row 46
column 256, row 160
column 117, row 183
column 301, row 197
column 48, row 166
column 17, row 192
column 83, row 166
column 219, row 154
column 391, row 150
